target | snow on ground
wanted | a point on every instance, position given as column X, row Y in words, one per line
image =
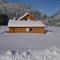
column 30, row 46
column 3, row 29
column 30, row 54
column 29, row 40
column 53, row 29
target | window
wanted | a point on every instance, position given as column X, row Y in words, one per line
column 28, row 19
column 27, row 29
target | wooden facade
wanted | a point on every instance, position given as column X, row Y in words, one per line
column 24, row 29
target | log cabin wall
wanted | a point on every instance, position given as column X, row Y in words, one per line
column 23, row 29
column 38, row 30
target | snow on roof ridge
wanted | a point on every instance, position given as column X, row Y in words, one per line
column 23, row 16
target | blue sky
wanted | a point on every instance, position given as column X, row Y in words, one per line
column 48, row 7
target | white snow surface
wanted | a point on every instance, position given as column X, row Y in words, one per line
column 30, row 54
column 30, row 46
column 29, row 40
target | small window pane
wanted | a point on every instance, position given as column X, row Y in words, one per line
column 27, row 29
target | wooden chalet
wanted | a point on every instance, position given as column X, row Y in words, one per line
column 26, row 24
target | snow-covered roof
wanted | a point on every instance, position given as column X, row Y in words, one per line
column 24, row 16
column 15, row 23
